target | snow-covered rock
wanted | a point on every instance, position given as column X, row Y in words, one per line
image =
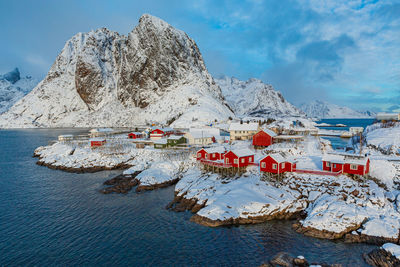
column 255, row 98
column 13, row 88
column 102, row 78
column 385, row 139
column 392, row 248
column 321, row 109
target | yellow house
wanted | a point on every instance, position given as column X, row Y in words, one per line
column 243, row 131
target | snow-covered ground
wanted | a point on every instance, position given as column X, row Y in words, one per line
column 386, row 139
column 335, row 206
column 392, row 248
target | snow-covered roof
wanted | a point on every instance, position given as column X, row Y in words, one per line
column 166, row 129
column 198, row 135
column 161, row 141
column 342, row 159
column 237, row 126
column 243, row 152
column 136, row 133
column 175, row 137
column 97, row 139
column 269, row 132
column 218, row 149
column 208, row 130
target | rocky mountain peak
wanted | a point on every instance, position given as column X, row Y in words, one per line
column 141, row 73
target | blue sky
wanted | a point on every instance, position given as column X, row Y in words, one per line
column 345, row 52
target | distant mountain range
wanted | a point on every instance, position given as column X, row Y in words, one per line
column 324, row 110
column 255, row 98
column 155, row 74
column 13, row 88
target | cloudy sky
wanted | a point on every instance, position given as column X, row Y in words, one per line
column 345, row 52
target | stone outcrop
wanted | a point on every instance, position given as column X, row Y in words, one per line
column 381, row 258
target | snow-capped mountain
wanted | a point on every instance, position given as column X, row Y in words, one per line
column 102, row 78
column 255, row 98
column 13, row 88
column 322, row 109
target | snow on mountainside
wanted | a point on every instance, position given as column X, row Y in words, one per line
column 322, row 109
column 13, row 88
column 255, row 98
column 101, row 78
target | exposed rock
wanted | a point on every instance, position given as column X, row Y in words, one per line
column 121, row 184
column 376, row 240
column 142, row 188
column 105, row 78
column 309, row 231
column 91, row 169
column 282, row 259
column 381, row 258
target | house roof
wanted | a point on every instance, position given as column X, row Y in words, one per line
column 197, row 135
column 345, row 160
column 175, row 137
column 269, row 132
column 218, row 149
column 237, row 126
column 136, row 133
column 97, row 139
column 243, row 152
column 280, row 158
column 161, row 141
column 166, row 129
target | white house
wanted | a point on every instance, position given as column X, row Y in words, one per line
column 65, row 137
column 381, row 116
column 199, row 138
column 243, row 131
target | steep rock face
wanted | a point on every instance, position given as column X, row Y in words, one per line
column 322, row 109
column 255, row 98
column 13, row 88
column 101, row 78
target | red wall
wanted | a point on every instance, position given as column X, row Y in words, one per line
column 232, row 156
column 215, row 156
column 262, row 139
column 96, row 143
column 268, row 166
column 203, row 154
column 335, row 167
column 134, row 136
column 360, row 169
column 157, row 131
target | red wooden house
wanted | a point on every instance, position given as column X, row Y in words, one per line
column 333, row 163
column 239, row 158
column 158, row 133
column 135, row 135
column 213, row 153
column 263, row 138
column 96, row 142
column 276, row 163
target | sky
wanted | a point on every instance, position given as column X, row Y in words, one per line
column 343, row 52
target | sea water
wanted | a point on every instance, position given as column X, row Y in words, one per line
column 51, row 217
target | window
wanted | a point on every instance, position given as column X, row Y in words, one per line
column 274, row 166
column 334, row 165
column 353, row 167
column 263, row 164
column 282, row 165
column 250, row 159
column 236, row 161
column 328, row 164
column 226, row 160
column 242, row 160
column 206, row 156
column 199, row 155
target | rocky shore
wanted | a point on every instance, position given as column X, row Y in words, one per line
column 88, row 169
column 286, row 260
column 381, row 258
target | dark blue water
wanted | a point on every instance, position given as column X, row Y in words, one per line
column 348, row 122
column 50, row 217
column 340, row 143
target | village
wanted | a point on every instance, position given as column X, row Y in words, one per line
column 246, row 172
column 213, row 149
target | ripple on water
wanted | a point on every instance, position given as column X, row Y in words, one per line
column 51, row 217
